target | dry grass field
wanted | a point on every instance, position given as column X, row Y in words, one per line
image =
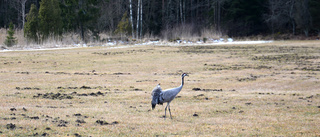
column 268, row 89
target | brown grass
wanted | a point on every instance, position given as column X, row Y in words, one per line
column 245, row 90
column 67, row 40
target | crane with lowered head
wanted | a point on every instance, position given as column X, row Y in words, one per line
column 160, row 97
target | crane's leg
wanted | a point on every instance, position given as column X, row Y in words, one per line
column 170, row 112
column 165, row 110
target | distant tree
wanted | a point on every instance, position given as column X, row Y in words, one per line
column 278, row 15
column 244, row 18
column 315, row 14
column 81, row 16
column 88, row 14
column 50, row 19
column 22, row 3
column 11, row 40
column 69, row 15
column 124, row 27
column 139, row 14
column 131, row 19
column 31, row 28
column 302, row 16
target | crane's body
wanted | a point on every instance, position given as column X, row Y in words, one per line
column 160, row 97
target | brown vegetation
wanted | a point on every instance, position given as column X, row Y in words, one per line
column 233, row 90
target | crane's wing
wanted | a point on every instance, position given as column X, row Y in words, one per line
column 156, row 92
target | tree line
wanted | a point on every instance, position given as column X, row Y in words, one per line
column 41, row 19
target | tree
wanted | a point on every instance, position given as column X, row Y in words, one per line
column 138, row 17
column 278, row 14
column 123, row 26
column 302, row 16
column 81, row 16
column 11, row 40
column 50, row 19
column 215, row 14
column 131, row 19
column 69, row 15
column 244, row 17
column 315, row 12
column 31, row 28
column 23, row 10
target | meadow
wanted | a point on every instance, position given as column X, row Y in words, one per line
column 267, row 89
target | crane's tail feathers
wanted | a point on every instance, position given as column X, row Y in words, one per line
column 155, row 96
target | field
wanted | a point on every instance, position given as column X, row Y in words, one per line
column 232, row 90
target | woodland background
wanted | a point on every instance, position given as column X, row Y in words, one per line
column 164, row 19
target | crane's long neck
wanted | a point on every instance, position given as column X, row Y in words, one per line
column 175, row 91
column 182, row 82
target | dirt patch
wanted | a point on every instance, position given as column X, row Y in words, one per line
column 27, row 88
column 11, row 126
column 207, row 90
column 123, row 52
column 83, row 87
column 53, row 96
column 61, row 96
column 102, row 122
column 219, row 67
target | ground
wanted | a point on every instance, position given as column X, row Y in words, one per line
column 269, row 89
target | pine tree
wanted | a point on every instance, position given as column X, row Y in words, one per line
column 31, row 27
column 50, row 19
column 315, row 12
column 11, row 40
column 124, row 27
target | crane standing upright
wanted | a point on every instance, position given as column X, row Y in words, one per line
column 160, row 97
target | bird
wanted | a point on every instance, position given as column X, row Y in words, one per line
column 160, row 97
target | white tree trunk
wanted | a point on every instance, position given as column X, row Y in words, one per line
column 181, row 13
column 141, row 19
column 138, row 16
column 23, row 7
column 131, row 18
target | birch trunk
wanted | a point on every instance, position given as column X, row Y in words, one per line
column 131, row 19
column 23, row 6
column 138, row 16
column 141, row 18
column 181, row 13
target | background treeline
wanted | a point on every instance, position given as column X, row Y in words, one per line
column 167, row 19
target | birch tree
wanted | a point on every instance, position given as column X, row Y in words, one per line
column 302, row 16
column 131, row 18
column 141, row 7
column 23, row 10
column 138, row 18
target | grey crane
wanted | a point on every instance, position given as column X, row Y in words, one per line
column 160, row 97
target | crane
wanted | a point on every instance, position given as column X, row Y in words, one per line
column 160, row 97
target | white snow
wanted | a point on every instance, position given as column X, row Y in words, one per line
column 113, row 44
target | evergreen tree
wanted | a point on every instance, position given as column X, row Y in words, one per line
column 124, row 27
column 315, row 12
column 31, row 27
column 88, row 14
column 69, row 15
column 11, row 40
column 81, row 16
column 50, row 19
column 302, row 16
column 244, row 17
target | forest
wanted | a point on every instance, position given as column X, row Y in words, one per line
column 164, row 19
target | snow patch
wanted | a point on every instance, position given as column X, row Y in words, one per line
column 113, row 44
